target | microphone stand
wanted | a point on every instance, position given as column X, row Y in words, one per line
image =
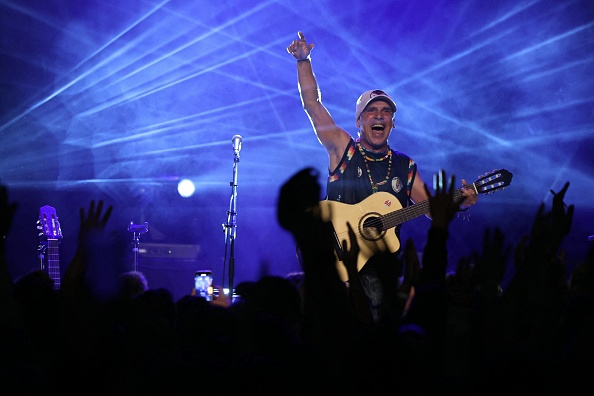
column 230, row 228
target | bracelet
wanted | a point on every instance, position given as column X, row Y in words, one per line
column 303, row 60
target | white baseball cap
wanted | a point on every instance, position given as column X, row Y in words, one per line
column 370, row 96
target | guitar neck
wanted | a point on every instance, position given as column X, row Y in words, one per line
column 403, row 215
column 53, row 262
column 51, row 234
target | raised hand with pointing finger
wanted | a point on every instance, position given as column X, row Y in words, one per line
column 299, row 48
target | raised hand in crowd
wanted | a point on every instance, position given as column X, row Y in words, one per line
column 550, row 228
column 443, row 208
column 538, row 293
column 94, row 221
column 429, row 305
column 350, row 251
column 489, row 315
column 442, row 205
column 412, row 269
column 329, row 320
column 298, row 211
column 91, row 249
column 491, row 262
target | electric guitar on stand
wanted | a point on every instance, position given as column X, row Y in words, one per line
column 51, row 235
column 375, row 215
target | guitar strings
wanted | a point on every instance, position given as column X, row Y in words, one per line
column 383, row 223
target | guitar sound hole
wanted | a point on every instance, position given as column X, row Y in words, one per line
column 371, row 228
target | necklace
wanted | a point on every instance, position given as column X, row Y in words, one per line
column 366, row 150
column 375, row 186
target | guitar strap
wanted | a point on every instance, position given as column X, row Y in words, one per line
column 412, row 171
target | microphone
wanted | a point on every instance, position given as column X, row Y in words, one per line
column 236, row 140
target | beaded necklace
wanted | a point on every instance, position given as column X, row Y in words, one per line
column 375, row 186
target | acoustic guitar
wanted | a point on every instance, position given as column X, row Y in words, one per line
column 373, row 217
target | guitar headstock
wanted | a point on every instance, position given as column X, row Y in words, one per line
column 493, row 181
column 48, row 224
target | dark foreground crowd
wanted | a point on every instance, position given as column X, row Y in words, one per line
column 437, row 333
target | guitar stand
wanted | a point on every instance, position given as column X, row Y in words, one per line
column 136, row 230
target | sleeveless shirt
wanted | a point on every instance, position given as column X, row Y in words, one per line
column 349, row 183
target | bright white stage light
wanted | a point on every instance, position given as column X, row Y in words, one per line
column 186, row 188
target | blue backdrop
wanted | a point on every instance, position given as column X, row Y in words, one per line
column 119, row 100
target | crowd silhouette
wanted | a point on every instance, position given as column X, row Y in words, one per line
column 107, row 332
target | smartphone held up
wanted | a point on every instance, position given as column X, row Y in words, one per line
column 203, row 284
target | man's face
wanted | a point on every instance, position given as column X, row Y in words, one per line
column 375, row 124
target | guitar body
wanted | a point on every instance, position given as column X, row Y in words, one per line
column 362, row 217
column 373, row 218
